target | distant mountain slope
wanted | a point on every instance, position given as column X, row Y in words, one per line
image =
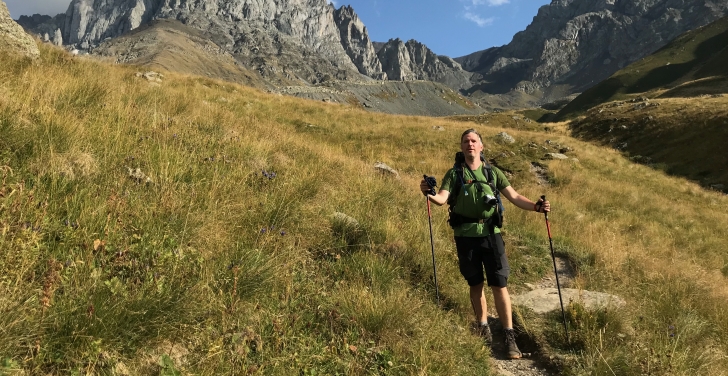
column 172, row 46
column 695, row 63
column 572, row 45
column 284, row 42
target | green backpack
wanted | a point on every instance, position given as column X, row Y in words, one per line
column 475, row 201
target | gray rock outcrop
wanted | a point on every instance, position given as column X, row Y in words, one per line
column 13, row 39
column 414, row 61
column 284, row 41
column 42, row 25
column 58, row 38
column 572, row 45
column 356, row 43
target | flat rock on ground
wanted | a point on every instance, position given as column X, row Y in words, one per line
column 545, row 300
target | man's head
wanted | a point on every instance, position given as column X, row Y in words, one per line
column 471, row 144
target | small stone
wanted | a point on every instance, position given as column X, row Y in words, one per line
column 555, row 156
column 383, row 168
column 504, row 138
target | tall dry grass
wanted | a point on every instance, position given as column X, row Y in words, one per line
column 190, row 227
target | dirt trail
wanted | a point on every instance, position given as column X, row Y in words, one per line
column 530, row 364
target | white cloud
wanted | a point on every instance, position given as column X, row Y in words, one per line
column 480, row 21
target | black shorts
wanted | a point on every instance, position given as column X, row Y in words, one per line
column 489, row 253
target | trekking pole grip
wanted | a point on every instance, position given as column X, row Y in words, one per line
column 546, row 215
column 543, row 197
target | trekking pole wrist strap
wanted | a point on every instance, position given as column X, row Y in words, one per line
column 537, row 207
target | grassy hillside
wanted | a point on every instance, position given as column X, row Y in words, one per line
column 682, row 136
column 694, row 64
column 190, row 228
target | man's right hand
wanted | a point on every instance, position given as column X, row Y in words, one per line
column 424, row 187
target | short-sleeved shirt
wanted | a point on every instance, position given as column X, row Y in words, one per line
column 448, row 184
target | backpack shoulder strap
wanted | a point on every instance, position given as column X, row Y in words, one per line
column 489, row 176
column 458, row 184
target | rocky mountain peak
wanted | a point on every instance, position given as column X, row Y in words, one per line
column 283, row 40
column 356, row 43
column 412, row 60
column 572, row 45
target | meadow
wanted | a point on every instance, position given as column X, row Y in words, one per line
column 190, row 226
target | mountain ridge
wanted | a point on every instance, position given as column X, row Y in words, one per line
column 569, row 47
column 561, row 51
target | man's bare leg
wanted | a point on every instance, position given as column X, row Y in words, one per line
column 477, row 299
column 502, row 305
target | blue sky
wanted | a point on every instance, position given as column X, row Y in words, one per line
column 448, row 27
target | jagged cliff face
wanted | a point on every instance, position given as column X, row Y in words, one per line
column 577, row 43
column 283, row 40
column 414, row 61
column 570, row 45
column 275, row 37
column 356, row 43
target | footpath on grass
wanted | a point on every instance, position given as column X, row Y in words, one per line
column 541, row 299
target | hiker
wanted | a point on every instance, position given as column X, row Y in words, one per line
column 475, row 216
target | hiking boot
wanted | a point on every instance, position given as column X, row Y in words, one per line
column 512, row 351
column 484, row 331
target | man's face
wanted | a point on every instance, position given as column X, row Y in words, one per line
column 471, row 145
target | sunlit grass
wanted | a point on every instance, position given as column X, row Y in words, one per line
column 192, row 226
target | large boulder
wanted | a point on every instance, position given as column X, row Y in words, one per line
column 13, row 38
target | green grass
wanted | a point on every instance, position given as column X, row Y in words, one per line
column 213, row 265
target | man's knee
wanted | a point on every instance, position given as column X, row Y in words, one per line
column 475, row 280
column 497, row 281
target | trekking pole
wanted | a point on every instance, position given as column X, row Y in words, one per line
column 553, row 257
column 432, row 184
